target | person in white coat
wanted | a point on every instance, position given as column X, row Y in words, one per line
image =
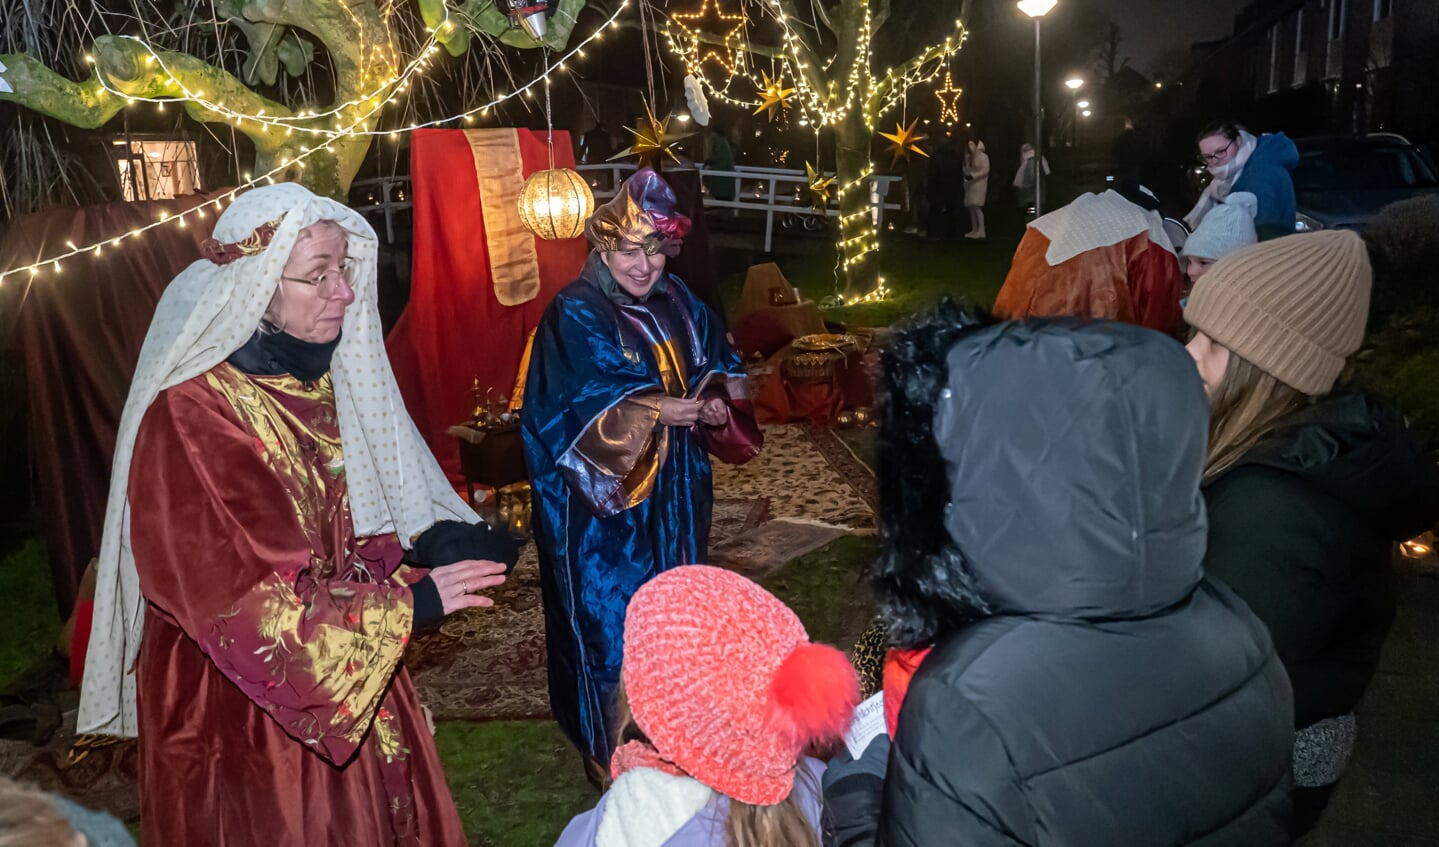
column 976, row 187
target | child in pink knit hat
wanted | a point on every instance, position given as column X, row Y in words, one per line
column 726, row 693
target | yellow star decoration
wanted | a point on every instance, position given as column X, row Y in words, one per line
column 905, row 141
column 948, row 99
column 728, row 28
column 818, row 186
column 774, row 97
column 653, row 141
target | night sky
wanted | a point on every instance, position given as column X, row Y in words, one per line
column 1152, row 27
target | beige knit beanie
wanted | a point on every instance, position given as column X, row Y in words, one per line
column 1295, row 306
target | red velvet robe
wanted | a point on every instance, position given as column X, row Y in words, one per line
column 273, row 707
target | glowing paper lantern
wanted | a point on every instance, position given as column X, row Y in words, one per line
column 555, row 204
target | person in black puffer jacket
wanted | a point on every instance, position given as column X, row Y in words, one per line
column 1042, row 529
column 1308, row 491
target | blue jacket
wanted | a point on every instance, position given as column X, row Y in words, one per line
column 1267, row 176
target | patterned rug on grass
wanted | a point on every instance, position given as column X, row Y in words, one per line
column 486, row 664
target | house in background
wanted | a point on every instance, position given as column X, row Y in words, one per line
column 1313, row 67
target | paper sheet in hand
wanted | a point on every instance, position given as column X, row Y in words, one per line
column 868, row 723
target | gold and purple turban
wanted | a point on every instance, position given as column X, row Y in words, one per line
column 645, row 212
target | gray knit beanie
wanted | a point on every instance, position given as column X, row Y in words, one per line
column 1295, row 306
column 1228, row 227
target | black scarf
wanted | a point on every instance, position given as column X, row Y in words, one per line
column 276, row 353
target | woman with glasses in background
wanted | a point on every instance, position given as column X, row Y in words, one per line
column 1239, row 161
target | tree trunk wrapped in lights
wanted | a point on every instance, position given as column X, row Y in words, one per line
column 321, row 147
column 845, row 92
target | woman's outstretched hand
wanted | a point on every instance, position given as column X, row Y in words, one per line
column 457, row 583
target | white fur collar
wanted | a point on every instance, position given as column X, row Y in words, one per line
column 646, row 806
column 1097, row 220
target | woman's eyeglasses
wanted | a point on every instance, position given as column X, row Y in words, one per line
column 1211, row 158
column 328, row 281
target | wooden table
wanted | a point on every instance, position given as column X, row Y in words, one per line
column 493, row 457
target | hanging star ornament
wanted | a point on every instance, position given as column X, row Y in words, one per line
column 905, row 141
column 715, row 34
column 774, row 97
column 652, row 141
column 948, row 99
column 818, row 187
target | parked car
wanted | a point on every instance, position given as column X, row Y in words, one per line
column 1342, row 182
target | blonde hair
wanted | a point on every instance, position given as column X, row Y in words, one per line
column 1248, row 405
column 782, row 825
column 29, row 819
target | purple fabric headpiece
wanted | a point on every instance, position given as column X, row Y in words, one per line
column 643, row 212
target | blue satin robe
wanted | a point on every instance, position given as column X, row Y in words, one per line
column 617, row 498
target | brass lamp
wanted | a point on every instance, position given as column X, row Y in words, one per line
column 555, row 203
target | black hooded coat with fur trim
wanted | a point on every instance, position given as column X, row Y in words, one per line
column 1109, row 693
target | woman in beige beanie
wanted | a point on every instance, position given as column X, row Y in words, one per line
column 1307, row 490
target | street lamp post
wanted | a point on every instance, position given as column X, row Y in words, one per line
column 1074, row 83
column 1037, row 9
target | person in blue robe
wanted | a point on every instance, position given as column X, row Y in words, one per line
column 631, row 387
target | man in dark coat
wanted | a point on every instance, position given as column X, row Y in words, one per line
column 1086, row 684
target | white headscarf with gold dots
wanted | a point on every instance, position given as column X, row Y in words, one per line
column 208, row 312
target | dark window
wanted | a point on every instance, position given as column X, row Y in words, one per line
column 1362, row 167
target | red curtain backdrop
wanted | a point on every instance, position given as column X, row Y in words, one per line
column 454, row 329
column 80, row 332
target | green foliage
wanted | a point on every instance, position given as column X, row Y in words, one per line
column 30, row 622
column 1401, row 362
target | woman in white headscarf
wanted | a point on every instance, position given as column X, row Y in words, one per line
column 976, row 187
column 255, row 593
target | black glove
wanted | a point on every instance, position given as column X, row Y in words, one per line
column 448, row 542
column 853, row 795
column 429, row 609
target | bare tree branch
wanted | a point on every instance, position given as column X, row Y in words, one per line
column 888, row 87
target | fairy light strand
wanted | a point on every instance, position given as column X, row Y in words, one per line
column 39, row 267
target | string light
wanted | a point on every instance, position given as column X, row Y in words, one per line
column 948, row 99
column 250, row 181
column 725, row 53
column 873, row 95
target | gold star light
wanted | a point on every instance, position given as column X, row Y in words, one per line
column 653, row 141
column 818, row 186
column 709, row 23
column 774, row 97
column 904, row 141
column 948, row 99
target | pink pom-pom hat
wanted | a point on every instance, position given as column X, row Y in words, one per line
column 724, row 682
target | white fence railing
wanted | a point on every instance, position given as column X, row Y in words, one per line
column 771, row 191
column 774, row 192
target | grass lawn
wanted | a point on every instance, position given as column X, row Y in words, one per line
column 917, row 272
